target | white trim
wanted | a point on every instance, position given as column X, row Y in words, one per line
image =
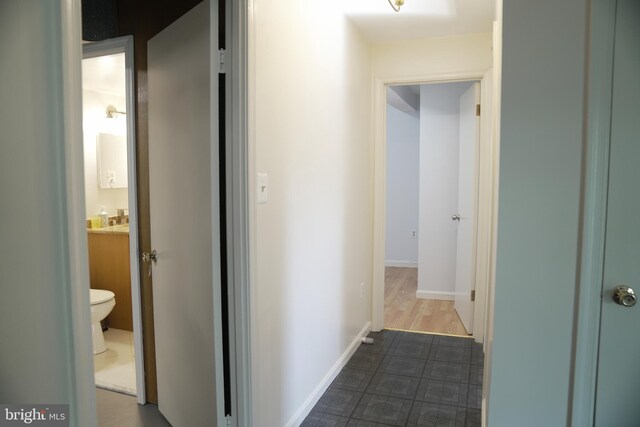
column 594, row 211
column 238, row 205
column 492, row 246
column 439, row 295
column 485, row 216
column 82, row 394
column 105, row 48
column 324, row 384
column 402, row 264
column 484, row 242
column 251, row 209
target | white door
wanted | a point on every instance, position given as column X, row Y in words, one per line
column 467, row 190
column 184, row 226
column 618, row 383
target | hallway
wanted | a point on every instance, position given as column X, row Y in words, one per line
column 119, row 410
column 406, row 379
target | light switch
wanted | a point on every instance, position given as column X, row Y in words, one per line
column 263, row 188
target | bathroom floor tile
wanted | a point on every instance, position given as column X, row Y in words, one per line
column 114, row 369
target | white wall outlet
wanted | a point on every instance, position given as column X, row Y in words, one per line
column 361, row 289
column 263, row 188
column 414, row 234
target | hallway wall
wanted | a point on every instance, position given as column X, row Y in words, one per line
column 403, row 177
column 436, row 55
column 311, row 121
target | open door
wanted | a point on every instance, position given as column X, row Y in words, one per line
column 184, row 201
column 618, row 384
column 467, row 190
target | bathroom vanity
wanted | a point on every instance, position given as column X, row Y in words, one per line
column 109, row 269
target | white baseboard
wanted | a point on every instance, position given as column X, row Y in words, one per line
column 407, row 264
column 435, row 295
column 317, row 393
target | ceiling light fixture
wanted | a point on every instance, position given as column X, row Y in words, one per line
column 396, row 4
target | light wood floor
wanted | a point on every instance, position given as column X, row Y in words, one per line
column 402, row 310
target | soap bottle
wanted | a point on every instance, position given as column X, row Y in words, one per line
column 104, row 217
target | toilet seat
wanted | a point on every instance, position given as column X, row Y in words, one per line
column 98, row 296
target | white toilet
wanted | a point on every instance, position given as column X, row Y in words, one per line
column 102, row 302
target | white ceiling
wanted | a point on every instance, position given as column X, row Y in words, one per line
column 420, row 18
column 104, row 74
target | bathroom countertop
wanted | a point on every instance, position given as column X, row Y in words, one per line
column 113, row 229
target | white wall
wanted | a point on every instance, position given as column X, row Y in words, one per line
column 438, row 55
column 541, row 149
column 94, row 105
column 403, row 151
column 311, row 121
column 439, row 158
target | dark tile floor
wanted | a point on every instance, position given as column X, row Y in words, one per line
column 405, row 379
column 120, row 410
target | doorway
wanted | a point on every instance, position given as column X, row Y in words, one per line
column 479, row 221
column 111, row 212
column 432, row 137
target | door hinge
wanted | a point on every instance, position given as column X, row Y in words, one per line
column 477, row 109
column 222, row 57
column 473, row 296
column 228, row 418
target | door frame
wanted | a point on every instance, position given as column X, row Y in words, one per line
column 238, row 33
column 595, row 185
column 82, row 387
column 486, row 215
column 95, row 50
column 240, row 214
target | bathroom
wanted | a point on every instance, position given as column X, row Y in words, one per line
column 108, row 199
